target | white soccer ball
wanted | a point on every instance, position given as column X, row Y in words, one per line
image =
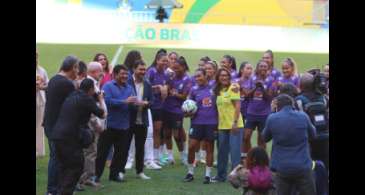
column 189, row 106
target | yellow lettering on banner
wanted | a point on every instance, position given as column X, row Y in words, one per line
column 78, row 2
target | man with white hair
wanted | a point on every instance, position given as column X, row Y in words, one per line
column 95, row 73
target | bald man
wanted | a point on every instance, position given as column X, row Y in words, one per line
column 95, row 73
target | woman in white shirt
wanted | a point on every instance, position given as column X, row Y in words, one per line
column 41, row 85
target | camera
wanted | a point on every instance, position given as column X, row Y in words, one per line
column 320, row 81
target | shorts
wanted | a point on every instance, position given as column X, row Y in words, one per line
column 253, row 122
column 156, row 114
column 202, row 132
column 172, row 120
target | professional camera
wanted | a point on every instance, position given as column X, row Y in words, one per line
column 320, row 81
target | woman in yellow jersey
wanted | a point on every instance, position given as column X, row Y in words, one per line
column 230, row 123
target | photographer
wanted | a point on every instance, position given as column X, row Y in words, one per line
column 313, row 101
column 71, row 134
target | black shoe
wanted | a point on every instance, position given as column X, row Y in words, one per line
column 116, row 179
column 206, row 180
column 189, row 177
column 95, row 179
column 216, row 179
column 79, row 188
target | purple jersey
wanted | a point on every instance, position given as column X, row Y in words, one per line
column 234, row 74
column 244, row 84
column 181, row 85
column 275, row 73
column 258, row 105
column 207, row 109
column 211, row 83
column 293, row 80
column 156, row 78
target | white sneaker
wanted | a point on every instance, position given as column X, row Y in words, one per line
column 129, row 165
column 143, row 176
column 121, row 175
column 152, row 165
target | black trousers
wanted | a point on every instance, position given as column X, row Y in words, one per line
column 140, row 134
column 111, row 137
column 70, row 158
column 320, row 151
column 303, row 183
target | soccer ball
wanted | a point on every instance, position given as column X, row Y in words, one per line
column 189, row 106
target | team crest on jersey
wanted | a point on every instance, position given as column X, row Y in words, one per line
column 207, row 102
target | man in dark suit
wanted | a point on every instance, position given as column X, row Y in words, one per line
column 71, row 134
column 138, row 117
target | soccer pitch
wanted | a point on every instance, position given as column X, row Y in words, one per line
column 169, row 179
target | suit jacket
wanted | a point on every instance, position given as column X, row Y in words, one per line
column 147, row 96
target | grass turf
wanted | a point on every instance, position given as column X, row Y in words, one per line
column 168, row 180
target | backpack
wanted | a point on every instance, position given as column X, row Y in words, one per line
column 260, row 179
column 318, row 114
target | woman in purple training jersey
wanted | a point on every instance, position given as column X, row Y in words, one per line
column 178, row 89
column 244, row 80
column 158, row 79
column 229, row 62
column 290, row 74
column 203, row 124
column 259, row 105
column 268, row 57
column 211, row 69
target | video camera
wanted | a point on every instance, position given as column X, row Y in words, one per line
column 320, row 81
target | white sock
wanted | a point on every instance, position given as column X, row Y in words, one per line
column 197, row 156
column 169, row 152
column 207, row 171
column 161, row 148
column 243, row 155
column 182, row 155
column 191, row 169
column 203, row 154
column 156, row 153
column 184, row 148
column 164, row 148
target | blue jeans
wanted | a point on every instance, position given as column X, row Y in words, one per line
column 228, row 144
column 52, row 169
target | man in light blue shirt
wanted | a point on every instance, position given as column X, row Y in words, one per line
column 290, row 131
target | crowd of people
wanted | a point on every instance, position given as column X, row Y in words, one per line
column 96, row 115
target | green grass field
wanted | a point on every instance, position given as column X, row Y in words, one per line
column 169, row 179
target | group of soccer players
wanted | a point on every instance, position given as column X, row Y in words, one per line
column 172, row 85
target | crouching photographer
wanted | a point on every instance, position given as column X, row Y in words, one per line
column 71, row 134
column 314, row 102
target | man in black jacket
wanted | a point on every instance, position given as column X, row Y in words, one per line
column 59, row 87
column 138, row 117
column 71, row 134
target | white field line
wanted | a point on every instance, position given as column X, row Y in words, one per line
column 116, row 56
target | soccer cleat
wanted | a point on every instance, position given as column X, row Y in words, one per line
column 206, row 180
column 152, row 165
column 189, row 177
column 170, row 161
